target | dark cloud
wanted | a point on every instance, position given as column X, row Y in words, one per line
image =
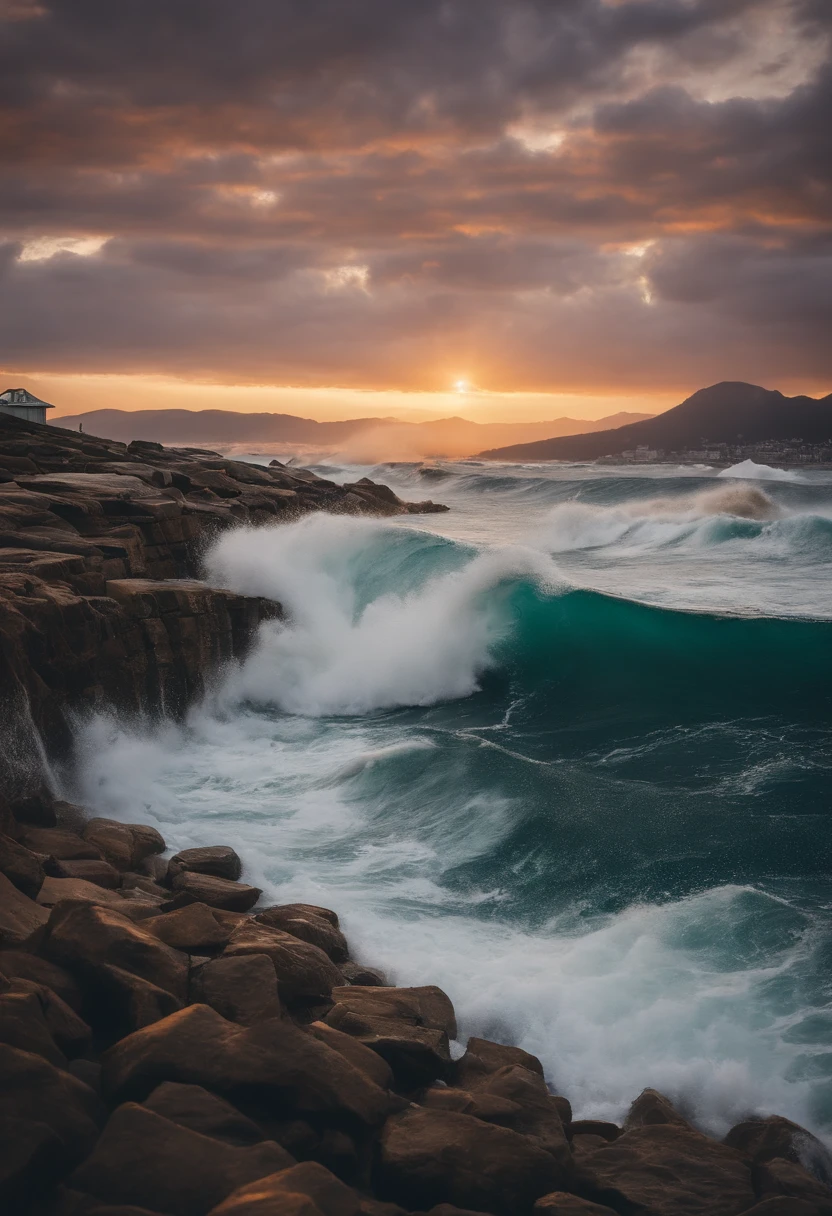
column 552, row 191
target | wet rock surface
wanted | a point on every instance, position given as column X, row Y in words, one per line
column 91, row 533
column 203, row 1061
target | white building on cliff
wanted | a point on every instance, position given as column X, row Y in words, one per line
column 20, row 403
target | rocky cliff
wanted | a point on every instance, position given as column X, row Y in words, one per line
column 91, row 534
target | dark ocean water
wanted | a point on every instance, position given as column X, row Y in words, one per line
column 565, row 751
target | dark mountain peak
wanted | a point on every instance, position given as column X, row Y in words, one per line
column 730, row 412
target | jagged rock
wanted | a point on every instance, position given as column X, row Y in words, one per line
column 409, row 1027
column 124, row 845
column 91, row 937
column 774, row 1136
column 20, row 964
column 216, row 892
column 363, row 1058
column 100, row 873
column 277, row 1194
column 305, row 975
column 778, row 1176
column 562, row 1204
column 70, row 1033
column 364, row 977
column 194, row 1107
column 670, row 1170
column 21, row 866
column 274, row 1062
column 298, row 920
column 19, row 915
column 219, row 860
column 142, row 1158
column 193, row 929
column 34, row 1091
column 431, row 1156
column 56, row 889
column 651, row 1108
column 241, row 989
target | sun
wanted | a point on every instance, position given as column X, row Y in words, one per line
column 462, row 386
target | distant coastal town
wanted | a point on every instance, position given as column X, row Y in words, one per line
column 772, row 451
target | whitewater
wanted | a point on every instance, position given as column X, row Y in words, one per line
column 564, row 751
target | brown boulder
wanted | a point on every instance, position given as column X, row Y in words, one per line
column 482, row 1057
column 774, row 1136
column 121, row 1002
column 123, row 845
column 101, row 873
column 430, row 1156
column 309, row 1179
column 35, row 1091
column 219, row 860
column 305, row 975
column 21, row 866
column 30, row 1157
column 91, row 937
column 71, row 1034
column 671, row 1171
column 274, row 1062
column 19, row 964
column 216, row 892
column 23, row 1025
column 144, row 1159
column 651, row 1108
column 194, row 1107
column 59, row 843
column 361, row 1057
column 306, row 925
column 517, row 1098
column 56, row 889
column 559, row 1203
column 594, row 1127
column 241, row 989
column 253, row 1202
column 781, row 1177
column 408, row 1027
column 19, row 915
column 193, row 929
column 364, row 977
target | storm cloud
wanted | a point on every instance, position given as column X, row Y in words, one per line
column 547, row 194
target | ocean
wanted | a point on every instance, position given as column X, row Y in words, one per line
column 564, row 751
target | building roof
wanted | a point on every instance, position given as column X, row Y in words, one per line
column 22, row 396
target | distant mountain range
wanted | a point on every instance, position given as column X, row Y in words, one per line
column 731, row 412
column 378, row 438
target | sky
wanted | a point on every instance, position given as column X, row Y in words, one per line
column 511, row 209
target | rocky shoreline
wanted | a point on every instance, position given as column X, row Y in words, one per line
column 91, row 533
column 170, row 1045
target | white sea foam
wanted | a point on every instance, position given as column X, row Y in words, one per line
column 335, row 657
column 660, row 995
column 759, row 472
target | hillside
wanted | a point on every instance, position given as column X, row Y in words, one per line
column 375, row 438
column 730, row 412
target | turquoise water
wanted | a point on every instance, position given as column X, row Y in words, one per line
column 564, row 751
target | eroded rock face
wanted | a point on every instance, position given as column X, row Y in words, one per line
column 305, row 975
column 774, row 1136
